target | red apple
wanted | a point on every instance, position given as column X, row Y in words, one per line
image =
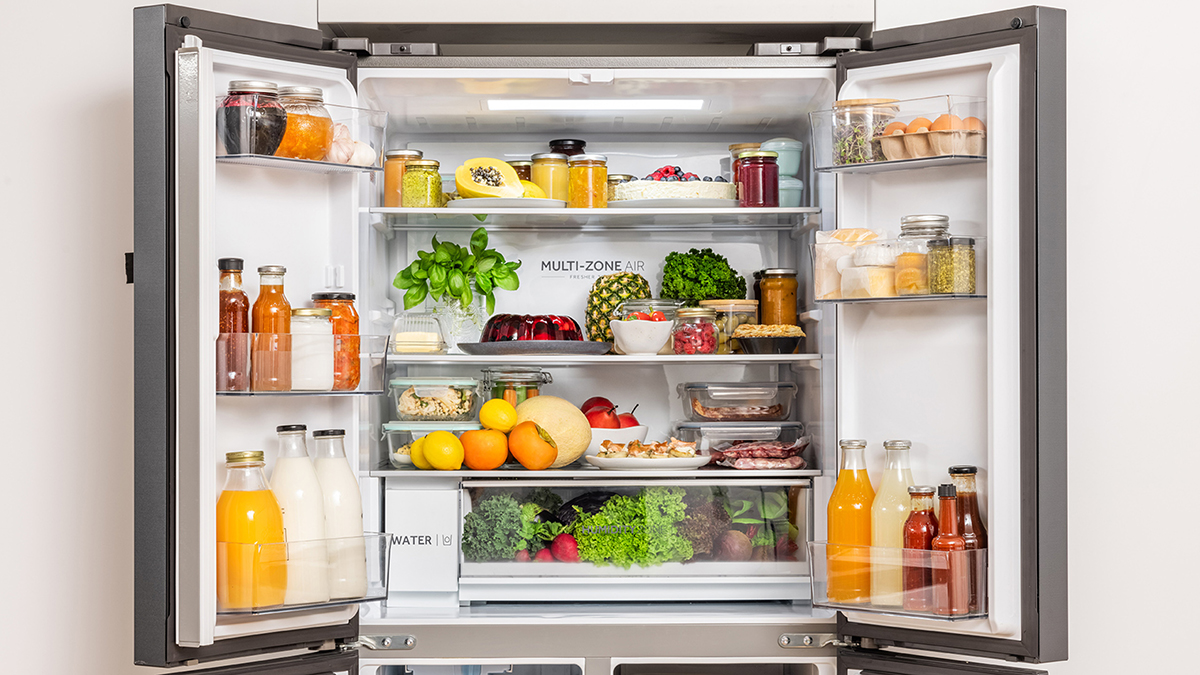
column 603, row 418
column 627, row 419
column 596, row 402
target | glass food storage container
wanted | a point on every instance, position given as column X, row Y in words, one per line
column 719, row 436
column 588, row 188
column 309, row 130
column 758, row 179
column 401, row 435
column 777, row 292
column 615, row 179
column 738, row 401
column 912, row 251
column 346, row 366
column 524, row 169
column 417, row 333
column 394, row 164
column 313, row 349
column 730, row 315
column 649, row 306
column 952, row 266
column 421, row 186
column 435, row 399
column 550, row 173
column 695, row 331
column 856, row 125
column 250, row 119
column 515, row 385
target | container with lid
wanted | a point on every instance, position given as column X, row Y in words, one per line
column 735, row 163
column 568, row 146
column 709, row 436
column 435, row 399
column 588, row 186
column 848, row 134
column 346, row 367
column 515, row 385
column 401, row 436
column 738, row 401
column 789, row 151
column 912, row 251
column 250, row 119
column 730, row 315
column 309, row 130
column 421, row 185
column 251, row 563
column 791, row 192
column 758, row 179
column 778, row 296
column 312, row 349
column 695, row 331
column 417, row 333
column 394, row 164
column 952, row 266
column 524, row 168
column 550, row 173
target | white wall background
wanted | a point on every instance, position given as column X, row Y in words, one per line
column 66, row 218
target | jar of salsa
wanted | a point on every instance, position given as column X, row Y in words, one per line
column 524, row 169
column 346, row 367
column 568, row 146
column 735, row 163
column 695, row 331
column 421, row 187
column 758, row 182
column 394, row 163
column 778, row 305
column 309, row 131
column 251, row 120
column 589, row 182
column 550, row 173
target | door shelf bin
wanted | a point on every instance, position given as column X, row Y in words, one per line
column 886, row 270
column 923, row 580
column 243, row 352
column 270, row 578
column 361, row 124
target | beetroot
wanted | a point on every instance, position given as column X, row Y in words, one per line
column 733, row 546
column 523, row 555
column 565, row 548
column 544, row 555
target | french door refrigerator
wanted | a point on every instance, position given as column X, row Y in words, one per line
column 976, row 377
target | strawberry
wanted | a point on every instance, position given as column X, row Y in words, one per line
column 565, row 548
column 544, row 555
column 523, row 555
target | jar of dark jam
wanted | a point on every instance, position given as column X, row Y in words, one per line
column 758, row 179
column 524, row 169
column 567, row 146
column 251, row 119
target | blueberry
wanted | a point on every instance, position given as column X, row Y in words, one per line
column 692, row 178
column 677, row 169
column 720, row 179
column 707, row 179
column 671, row 178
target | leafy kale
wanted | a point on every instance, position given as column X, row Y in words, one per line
column 546, row 498
column 492, row 531
column 534, row 533
column 701, row 275
column 634, row 530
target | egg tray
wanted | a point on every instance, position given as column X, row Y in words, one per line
column 921, row 144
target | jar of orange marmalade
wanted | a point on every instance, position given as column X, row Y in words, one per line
column 309, row 131
column 588, row 186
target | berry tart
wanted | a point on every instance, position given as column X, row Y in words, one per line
column 672, row 182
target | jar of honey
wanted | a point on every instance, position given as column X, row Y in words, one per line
column 309, row 131
column 778, row 305
column 394, row 162
column 588, row 187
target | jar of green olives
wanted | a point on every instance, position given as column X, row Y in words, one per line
column 730, row 315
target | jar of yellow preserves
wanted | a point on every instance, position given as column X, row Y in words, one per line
column 549, row 172
column 588, row 187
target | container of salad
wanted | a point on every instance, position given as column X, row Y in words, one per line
column 514, row 384
column 435, row 399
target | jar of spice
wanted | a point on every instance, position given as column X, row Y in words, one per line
column 524, row 169
column 758, row 183
column 394, row 163
column 695, row 331
column 912, row 251
column 735, row 161
column 952, row 266
column 251, row 120
column 550, row 173
column 309, row 131
column 344, row 319
column 730, row 315
column 312, row 349
column 568, row 146
column 589, row 182
column 778, row 304
column 857, row 124
column 421, row 187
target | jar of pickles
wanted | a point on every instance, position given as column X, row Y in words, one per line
column 729, row 315
column 589, row 182
column 912, row 251
column 524, row 169
column 309, row 130
column 394, row 163
column 758, row 179
column 695, row 331
column 421, row 187
column 549, row 172
column 515, row 385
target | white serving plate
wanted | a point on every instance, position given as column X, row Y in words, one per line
column 639, row 464
column 676, row 203
column 506, row 203
column 637, row 433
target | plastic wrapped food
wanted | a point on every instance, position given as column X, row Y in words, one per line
column 832, row 254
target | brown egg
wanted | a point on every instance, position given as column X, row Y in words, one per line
column 894, row 128
column 974, row 124
column 946, row 123
column 919, row 124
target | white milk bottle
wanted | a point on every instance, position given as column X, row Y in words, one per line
column 343, row 516
column 294, row 482
column 888, row 513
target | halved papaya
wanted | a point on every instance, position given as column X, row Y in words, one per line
column 487, row 177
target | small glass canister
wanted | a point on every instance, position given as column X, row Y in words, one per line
column 589, row 182
column 912, row 251
column 649, row 306
column 250, row 119
column 344, row 319
column 778, row 297
column 524, row 169
column 730, row 315
column 695, row 331
column 735, row 162
column 550, row 173
column 952, row 266
column 421, row 187
column 309, row 130
column 758, row 183
column 857, row 124
column 394, row 166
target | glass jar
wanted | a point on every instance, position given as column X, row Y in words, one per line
column 394, row 164
column 758, row 184
column 515, row 385
column 648, row 306
column 730, row 315
column 735, row 162
column 952, row 266
column 912, row 251
column 589, row 182
column 778, row 304
column 421, row 187
column 857, row 124
column 524, row 169
column 312, row 349
column 251, row 119
column 550, row 173
column 615, row 179
column 344, row 319
column 568, row 146
column 695, row 331
column 309, row 131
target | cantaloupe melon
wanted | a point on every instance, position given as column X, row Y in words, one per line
column 487, row 177
column 565, row 424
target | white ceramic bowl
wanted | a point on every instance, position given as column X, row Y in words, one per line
column 641, row 337
column 625, row 435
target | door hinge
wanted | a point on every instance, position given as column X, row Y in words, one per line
column 385, row 642
column 826, row 47
column 129, row 267
column 812, row 641
column 365, row 46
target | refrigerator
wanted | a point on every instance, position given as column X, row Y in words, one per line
column 973, row 378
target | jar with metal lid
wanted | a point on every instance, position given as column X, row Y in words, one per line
column 857, row 125
column 912, row 251
column 312, row 349
column 515, row 385
column 344, row 319
column 758, row 182
column 730, row 315
column 421, row 186
column 394, row 165
column 735, row 162
column 524, row 169
column 952, row 266
column 695, row 331
column 309, row 130
column 615, row 179
column 778, row 306
column 568, row 146
column 648, row 306
column 250, row 119
column 550, row 173
column 588, row 188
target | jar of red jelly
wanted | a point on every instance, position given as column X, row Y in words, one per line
column 695, row 331
column 251, row 119
column 758, row 179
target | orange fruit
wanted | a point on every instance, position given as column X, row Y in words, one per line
column 895, row 128
column 946, row 123
column 919, row 124
column 484, row 449
column 532, row 446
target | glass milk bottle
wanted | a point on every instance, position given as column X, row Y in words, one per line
column 888, row 513
column 298, row 491
column 343, row 516
column 312, row 349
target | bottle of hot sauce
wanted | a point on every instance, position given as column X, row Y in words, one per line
column 233, row 346
column 271, row 368
column 951, row 580
column 919, row 530
column 970, row 527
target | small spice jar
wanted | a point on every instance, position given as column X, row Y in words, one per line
column 550, row 173
column 344, row 319
column 778, row 306
column 912, row 251
column 421, row 186
column 568, row 146
column 857, row 124
column 309, row 130
column 695, row 331
column 730, row 315
column 524, row 169
column 589, row 182
column 735, row 161
column 758, row 184
column 952, row 266
column 394, row 162
column 251, row 119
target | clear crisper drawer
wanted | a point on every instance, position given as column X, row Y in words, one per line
column 267, row 578
column 947, row 585
column 738, row 401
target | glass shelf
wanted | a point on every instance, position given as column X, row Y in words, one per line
column 587, row 471
column 357, row 392
column 601, row 360
column 904, row 164
column 904, row 298
column 585, row 220
column 307, row 165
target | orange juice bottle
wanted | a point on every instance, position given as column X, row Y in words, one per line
column 848, row 555
column 251, row 557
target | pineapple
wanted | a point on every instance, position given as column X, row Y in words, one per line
column 608, row 292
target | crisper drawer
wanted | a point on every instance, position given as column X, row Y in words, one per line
column 634, row 540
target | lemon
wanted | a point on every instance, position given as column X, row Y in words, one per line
column 533, row 190
column 417, row 453
column 498, row 414
column 443, row 451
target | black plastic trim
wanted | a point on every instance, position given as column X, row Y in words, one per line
column 872, row 662
column 980, row 24
column 317, row 663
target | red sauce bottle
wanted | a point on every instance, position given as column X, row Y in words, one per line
column 951, row 578
column 919, row 530
column 233, row 340
column 972, row 530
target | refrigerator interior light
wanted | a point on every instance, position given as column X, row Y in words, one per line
column 596, row 104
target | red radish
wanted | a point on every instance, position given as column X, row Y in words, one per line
column 596, row 402
column 627, row 419
column 544, row 555
column 523, row 555
column 603, row 418
column 564, row 548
